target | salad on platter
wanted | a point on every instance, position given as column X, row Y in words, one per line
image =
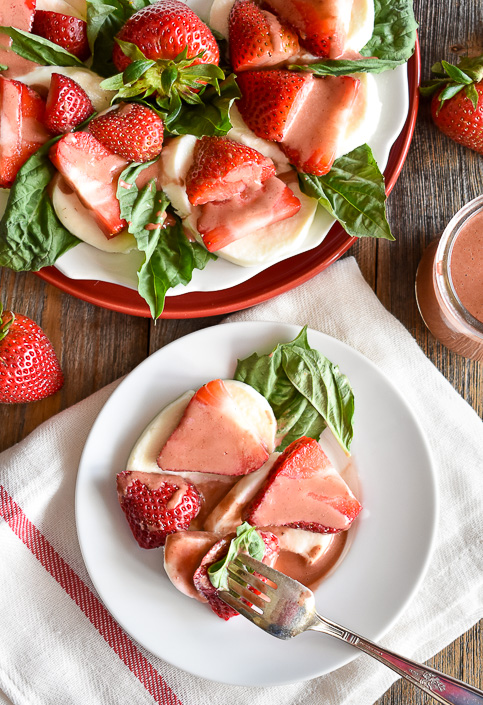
column 173, row 140
column 258, row 464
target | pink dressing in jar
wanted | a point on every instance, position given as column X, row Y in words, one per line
column 449, row 283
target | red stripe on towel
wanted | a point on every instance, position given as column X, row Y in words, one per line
column 84, row 598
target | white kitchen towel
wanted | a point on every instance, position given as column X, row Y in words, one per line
column 58, row 644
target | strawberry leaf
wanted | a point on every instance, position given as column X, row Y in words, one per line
column 353, row 192
column 456, row 73
column 35, row 48
column 249, row 542
column 472, row 94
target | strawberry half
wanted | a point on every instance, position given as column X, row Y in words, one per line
column 21, row 127
column 68, row 32
column 67, row 105
column 203, row 583
column 29, row 368
column 93, row 172
column 222, row 168
column 156, row 505
column 131, row 130
column 257, row 38
column 457, row 104
column 318, row 24
column 222, row 222
column 304, row 491
column 212, row 436
column 271, row 100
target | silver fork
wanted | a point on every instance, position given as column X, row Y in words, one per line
column 285, row 608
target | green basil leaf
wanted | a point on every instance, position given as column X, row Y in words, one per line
column 296, row 416
column 394, row 35
column 3, row 68
column 211, row 117
column 169, row 257
column 343, row 67
column 353, row 192
column 247, row 541
column 31, row 235
column 329, row 391
column 35, row 48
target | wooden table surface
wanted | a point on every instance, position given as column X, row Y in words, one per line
column 97, row 346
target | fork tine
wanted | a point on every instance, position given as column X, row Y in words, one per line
column 243, row 592
column 241, row 607
column 242, row 576
column 265, row 570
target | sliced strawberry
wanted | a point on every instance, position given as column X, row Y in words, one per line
column 257, row 38
column 68, row 32
column 21, row 127
column 312, row 143
column 304, row 491
column 156, row 505
column 222, row 168
column 92, row 171
column 320, row 25
column 133, row 131
column 257, row 207
column 67, row 105
column 213, row 437
column 203, row 583
column 271, row 100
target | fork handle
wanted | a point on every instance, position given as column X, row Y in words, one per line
column 442, row 688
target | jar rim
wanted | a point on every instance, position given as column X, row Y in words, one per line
column 442, row 266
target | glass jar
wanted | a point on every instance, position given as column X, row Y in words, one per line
column 449, row 283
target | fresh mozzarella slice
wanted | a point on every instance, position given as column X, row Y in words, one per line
column 183, row 553
column 72, row 8
column 219, row 13
column 308, row 545
column 364, row 116
column 227, row 515
column 275, row 241
column 79, row 221
column 39, row 79
column 361, row 25
column 254, row 409
column 241, row 133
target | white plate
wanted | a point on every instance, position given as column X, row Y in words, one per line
column 86, row 262
column 367, row 592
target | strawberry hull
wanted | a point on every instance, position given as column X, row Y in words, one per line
column 21, row 128
column 92, row 171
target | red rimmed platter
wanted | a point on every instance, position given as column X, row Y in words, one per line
column 271, row 282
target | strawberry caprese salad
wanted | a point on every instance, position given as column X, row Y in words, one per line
column 242, row 465
column 140, row 126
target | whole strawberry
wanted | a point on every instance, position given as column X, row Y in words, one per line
column 29, row 368
column 457, row 103
column 165, row 51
